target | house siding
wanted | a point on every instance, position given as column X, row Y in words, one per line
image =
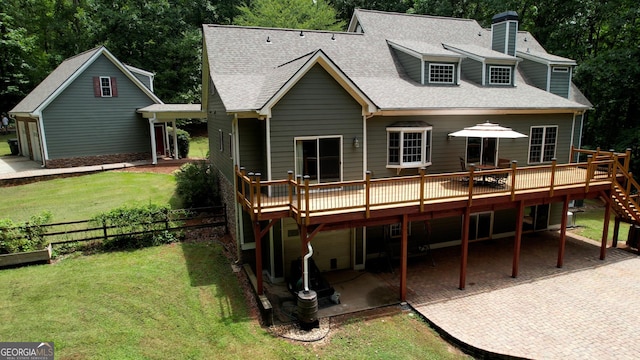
column 498, row 33
column 145, row 80
column 472, row 70
column 411, row 65
column 219, row 122
column 446, row 151
column 78, row 124
column 560, row 83
column 535, row 73
column 252, row 146
column 316, row 106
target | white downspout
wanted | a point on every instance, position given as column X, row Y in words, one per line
column 152, row 132
column 305, row 267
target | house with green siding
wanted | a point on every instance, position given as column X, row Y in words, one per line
column 378, row 101
column 88, row 112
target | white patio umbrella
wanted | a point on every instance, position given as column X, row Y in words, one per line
column 488, row 130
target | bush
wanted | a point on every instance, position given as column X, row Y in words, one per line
column 137, row 227
column 21, row 237
column 197, row 185
column 183, row 142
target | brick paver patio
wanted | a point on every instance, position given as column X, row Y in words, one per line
column 586, row 310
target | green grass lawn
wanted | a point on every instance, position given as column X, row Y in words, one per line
column 82, row 197
column 589, row 223
column 179, row 301
column 199, row 147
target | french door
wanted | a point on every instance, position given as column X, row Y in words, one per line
column 482, row 150
column 320, row 158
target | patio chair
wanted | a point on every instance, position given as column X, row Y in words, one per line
column 463, row 167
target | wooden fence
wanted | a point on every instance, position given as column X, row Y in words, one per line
column 88, row 230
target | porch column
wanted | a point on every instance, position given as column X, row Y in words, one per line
column 152, row 132
column 518, row 240
column 403, row 258
column 563, row 231
column 465, row 247
column 605, row 231
column 175, row 139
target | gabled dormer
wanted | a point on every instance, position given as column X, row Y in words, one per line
column 484, row 66
column 427, row 64
column 548, row 72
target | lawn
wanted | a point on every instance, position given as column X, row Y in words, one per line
column 81, row 197
column 589, row 222
column 199, row 147
column 179, row 301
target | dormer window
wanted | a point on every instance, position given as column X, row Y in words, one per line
column 560, row 69
column 499, row 75
column 441, row 73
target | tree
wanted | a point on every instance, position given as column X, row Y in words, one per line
column 294, row 14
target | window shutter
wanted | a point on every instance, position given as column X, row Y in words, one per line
column 97, row 91
column 114, row 87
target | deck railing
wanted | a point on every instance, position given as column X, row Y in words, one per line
column 303, row 199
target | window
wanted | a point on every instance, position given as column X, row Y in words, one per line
column 221, row 137
column 441, row 73
column 561, row 69
column 230, row 146
column 542, row 143
column 499, row 75
column 408, row 147
column 105, row 86
column 395, row 230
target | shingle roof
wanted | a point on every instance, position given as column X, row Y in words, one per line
column 250, row 64
column 52, row 82
column 61, row 76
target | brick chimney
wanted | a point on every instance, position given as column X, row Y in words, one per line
column 504, row 29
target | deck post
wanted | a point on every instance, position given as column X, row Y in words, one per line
column 367, row 200
column 554, row 163
column 258, row 239
column 423, row 171
column 605, row 231
column 290, row 189
column 517, row 240
column 616, row 230
column 514, row 165
column 306, row 198
column 465, row 247
column 563, row 231
column 299, row 196
column 403, row 258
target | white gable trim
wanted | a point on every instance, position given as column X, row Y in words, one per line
column 319, row 57
column 83, row 68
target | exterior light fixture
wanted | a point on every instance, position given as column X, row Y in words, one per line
column 356, row 142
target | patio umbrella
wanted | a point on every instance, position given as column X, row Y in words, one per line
column 488, row 130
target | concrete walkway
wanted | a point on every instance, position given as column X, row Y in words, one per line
column 19, row 167
column 586, row 310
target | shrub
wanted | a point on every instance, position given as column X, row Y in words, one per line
column 21, row 237
column 183, row 142
column 197, row 185
column 137, row 227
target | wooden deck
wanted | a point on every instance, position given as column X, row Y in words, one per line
column 435, row 194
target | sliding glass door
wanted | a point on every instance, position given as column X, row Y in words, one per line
column 320, row 158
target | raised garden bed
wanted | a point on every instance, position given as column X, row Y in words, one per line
column 38, row 256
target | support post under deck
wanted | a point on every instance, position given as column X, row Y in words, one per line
column 403, row 258
column 517, row 240
column 465, row 247
column 563, row 231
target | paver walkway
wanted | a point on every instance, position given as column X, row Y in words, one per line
column 586, row 310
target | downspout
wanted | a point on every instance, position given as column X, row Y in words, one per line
column 573, row 130
column 305, row 267
column 154, row 156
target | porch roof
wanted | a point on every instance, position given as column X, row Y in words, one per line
column 168, row 112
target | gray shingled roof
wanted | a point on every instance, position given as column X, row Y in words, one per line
column 247, row 70
column 52, row 82
column 61, row 76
